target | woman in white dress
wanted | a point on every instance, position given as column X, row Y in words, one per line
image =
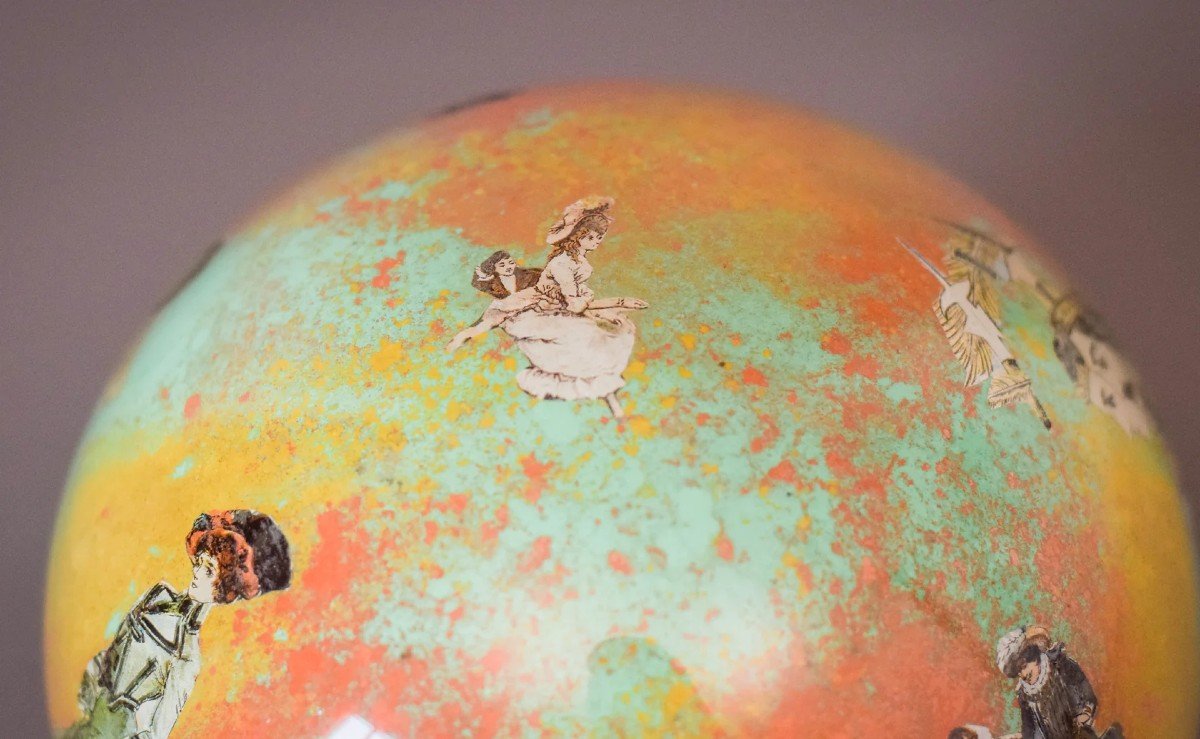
column 577, row 345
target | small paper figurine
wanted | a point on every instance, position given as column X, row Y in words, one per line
column 577, row 345
column 976, row 341
column 1053, row 693
column 1081, row 342
column 1098, row 370
column 500, row 276
column 138, row 686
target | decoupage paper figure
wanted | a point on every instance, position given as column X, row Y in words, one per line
column 577, row 345
column 975, row 338
column 138, row 686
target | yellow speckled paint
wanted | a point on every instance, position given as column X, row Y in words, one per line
column 804, row 524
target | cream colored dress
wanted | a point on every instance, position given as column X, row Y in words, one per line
column 574, row 352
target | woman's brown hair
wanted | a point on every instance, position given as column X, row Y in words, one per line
column 591, row 223
column 250, row 550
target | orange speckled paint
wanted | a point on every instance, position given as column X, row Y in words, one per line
column 803, row 523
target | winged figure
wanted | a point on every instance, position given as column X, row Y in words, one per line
column 1081, row 341
column 975, row 338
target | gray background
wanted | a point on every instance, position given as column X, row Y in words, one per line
column 132, row 134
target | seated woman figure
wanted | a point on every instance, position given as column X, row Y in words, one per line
column 577, row 345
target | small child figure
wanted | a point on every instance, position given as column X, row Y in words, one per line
column 499, row 276
column 512, row 290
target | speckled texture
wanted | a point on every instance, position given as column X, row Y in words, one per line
column 805, row 527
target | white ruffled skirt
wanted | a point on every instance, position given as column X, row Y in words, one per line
column 573, row 356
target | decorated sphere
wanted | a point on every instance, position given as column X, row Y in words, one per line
column 622, row 410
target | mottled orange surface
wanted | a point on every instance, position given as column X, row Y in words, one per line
column 806, row 526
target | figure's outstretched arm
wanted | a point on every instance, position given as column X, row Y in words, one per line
column 480, row 327
column 491, row 318
column 497, row 313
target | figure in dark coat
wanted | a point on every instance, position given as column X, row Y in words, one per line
column 1054, row 695
column 499, row 276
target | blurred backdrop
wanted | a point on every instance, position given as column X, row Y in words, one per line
column 133, row 134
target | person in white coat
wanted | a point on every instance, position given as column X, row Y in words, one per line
column 137, row 687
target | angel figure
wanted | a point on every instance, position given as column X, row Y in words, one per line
column 1081, row 342
column 137, row 687
column 975, row 338
column 982, row 262
column 577, row 345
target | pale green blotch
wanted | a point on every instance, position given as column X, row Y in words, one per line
column 183, row 467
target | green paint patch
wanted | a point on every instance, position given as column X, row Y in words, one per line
column 183, row 468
